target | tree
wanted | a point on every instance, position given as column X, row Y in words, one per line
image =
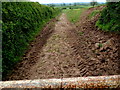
column 75, row 4
column 93, row 3
column 70, row 4
column 64, row 4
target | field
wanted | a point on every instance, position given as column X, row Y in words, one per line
column 43, row 42
column 73, row 18
column 74, row 7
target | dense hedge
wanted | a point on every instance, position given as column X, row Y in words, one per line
column 21, row 21
column 110, row 17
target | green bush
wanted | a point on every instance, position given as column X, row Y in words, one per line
column 110, row 17
column 21, row 21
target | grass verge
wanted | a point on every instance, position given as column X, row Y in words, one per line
column 94, row 13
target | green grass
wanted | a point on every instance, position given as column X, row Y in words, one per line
column 94, row 13
column 73, row 15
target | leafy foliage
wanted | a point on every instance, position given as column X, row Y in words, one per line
column 110, row 17
column 21, row 22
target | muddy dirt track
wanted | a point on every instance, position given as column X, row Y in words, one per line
column 66, row 50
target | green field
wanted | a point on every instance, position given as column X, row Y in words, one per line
column 73, row 7
column 73, row 15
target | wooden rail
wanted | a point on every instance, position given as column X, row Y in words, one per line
column 77, row 82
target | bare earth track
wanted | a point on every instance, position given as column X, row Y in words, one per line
column 62, row 51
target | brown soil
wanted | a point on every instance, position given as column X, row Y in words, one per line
column 65, row 50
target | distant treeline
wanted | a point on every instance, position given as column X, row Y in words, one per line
column 73, row 4
column 110, row 17
column 21, row 21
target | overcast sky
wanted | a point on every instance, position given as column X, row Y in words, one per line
column 63, row 1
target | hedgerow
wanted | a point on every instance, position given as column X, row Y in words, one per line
column 21, row 21
column 110, row 17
